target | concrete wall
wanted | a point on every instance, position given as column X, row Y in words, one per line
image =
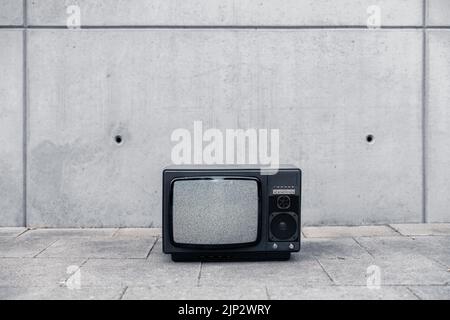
column 141, row 69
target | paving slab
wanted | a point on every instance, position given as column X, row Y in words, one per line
column 339, row 293
column 423, row 229
column 337, row 248
column 404, row 269
column 60, row 293
column 431, row 292
column 31, row 272
column 23, row 248
column 343, row 231
column 195, row 293
column 157, row 270
column 299, row 271
column 433, row 247
column 100, row 248
column 11, row 232
column 129, row 272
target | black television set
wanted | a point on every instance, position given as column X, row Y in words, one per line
column 231, row 212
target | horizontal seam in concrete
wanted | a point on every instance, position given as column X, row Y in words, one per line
column 282, row 27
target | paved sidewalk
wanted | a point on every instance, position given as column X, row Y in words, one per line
column 369, row 262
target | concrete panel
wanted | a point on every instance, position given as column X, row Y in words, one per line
column 326, row 90
column 438, row 129
column 228, row 12
column 11, row 12
column 438, row 13
column 11, row 123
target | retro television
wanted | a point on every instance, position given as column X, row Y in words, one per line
column 231, row 212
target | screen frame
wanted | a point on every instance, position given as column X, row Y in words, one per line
column 213, row 176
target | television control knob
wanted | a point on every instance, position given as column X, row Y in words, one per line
column 291, row 246
column 275, row 246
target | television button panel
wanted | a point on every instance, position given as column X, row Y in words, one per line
column 279, row 190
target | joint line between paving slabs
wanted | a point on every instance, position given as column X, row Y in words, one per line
column 395, row 230
column 78, row 269
column 413, row 293
column 267, row 292
column 199, row 274
column 22, row 233
column 363, row 247
column 123, row 293
column 151, row 249
column 326, row 272
column 46, row 248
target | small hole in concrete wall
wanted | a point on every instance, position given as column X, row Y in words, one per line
column 370, row 138
column 118, row 139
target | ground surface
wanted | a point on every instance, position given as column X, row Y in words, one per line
column 374, row 262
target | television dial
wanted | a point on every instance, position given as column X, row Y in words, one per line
column 283, row 202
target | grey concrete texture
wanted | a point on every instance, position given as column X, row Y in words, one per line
column 438, row 117
column 325, row 86
column 11, row 127
column 325, row 268
column 143, row 84
column 422, row 229
column 339, row 231
column 11, row 13
column 226, row 12
column 438, row 13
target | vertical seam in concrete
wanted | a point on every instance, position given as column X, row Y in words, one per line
column 25, row 113
column 424, row 112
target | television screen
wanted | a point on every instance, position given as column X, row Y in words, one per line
column 215, row 211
